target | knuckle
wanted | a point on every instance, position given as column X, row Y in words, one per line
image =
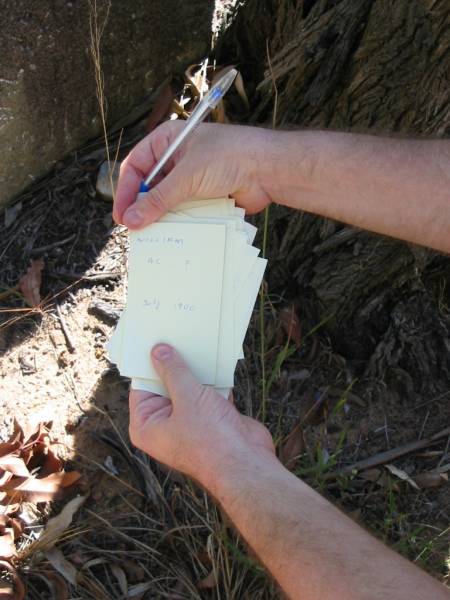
column 155, row 199
column 176, row 369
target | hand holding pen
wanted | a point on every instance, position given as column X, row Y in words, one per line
column 215, row 161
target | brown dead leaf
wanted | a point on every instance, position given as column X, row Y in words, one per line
column 162, row 106
column 292, row 447
column 401, row 475
column 60, row 563
column 430, row 479
column 210, row 581
column 56, row 584
column 380, row 477
column 7, row 546
column 6, row 476
column 291, row 324
column 137, row 591
column 30, row 451
column 135, row 573
column 6, row 591
column 40, row 490
column 12, row 523
column 57, row 525
column 238, row 83
column 30, row 283
column 14, row 465
column 121, row 578
column 196, row 75
column 218, row 114
column 16, row 591
column 11, row 445
column 51, row 463
column 10, row 530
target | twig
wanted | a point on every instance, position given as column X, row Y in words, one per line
column 82, row 277
column 106, row 311
column 435, row 399
column 65, row 329
column 136, row 542
column 389, row 455
column 41, row 249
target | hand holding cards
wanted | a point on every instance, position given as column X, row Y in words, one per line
column 193, row 280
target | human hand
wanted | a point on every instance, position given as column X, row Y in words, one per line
column 216, row 160
column 197, row 431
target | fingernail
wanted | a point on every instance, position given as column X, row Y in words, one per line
column 162, row 352
column 132, row 217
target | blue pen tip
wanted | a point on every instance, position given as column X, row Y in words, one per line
column 143, row 187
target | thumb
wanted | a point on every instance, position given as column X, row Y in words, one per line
column 175, row 374
column 152, row 205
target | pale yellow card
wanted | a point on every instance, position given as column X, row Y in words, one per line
column 174, row 296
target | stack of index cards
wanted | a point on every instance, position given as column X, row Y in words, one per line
column 193, row 278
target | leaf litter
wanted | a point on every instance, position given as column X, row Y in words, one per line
column 30, row 283
column 30, row 473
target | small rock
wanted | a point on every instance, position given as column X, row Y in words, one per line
column 103, row 185
column 110, row 466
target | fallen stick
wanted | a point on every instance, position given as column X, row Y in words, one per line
column 389, row 455
column 83, row 277
column 41, row 249
column 65, row 330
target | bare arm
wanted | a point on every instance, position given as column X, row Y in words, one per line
column 396, row 187
column 312, row 549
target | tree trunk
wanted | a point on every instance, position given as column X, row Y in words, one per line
column 378, row 66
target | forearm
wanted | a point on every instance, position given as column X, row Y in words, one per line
column 311, row 548
column 395, row 187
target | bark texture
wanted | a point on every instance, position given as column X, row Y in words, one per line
column 377, row 66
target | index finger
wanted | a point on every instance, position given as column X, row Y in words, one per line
column 132, row 171
column 137, row 165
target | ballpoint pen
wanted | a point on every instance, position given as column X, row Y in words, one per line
column 206, row 105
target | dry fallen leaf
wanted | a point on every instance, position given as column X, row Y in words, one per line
column 29, row 450
column 7, row 546
column 196, row 76
column 30, row 283
column 239, row 85
column 431, row 479
column 402, row 475
column 58, row 524
column 121, row 578
column 162, row 106
column 14, row 465
column 380, row 477
column 56, row 584
column 210, row 581
column 16, row 591
column 58, row 561
column 292, row 447
column 40, row 490
column 291, row 324
column 137, row 591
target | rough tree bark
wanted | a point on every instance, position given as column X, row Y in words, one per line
column 379, row 66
